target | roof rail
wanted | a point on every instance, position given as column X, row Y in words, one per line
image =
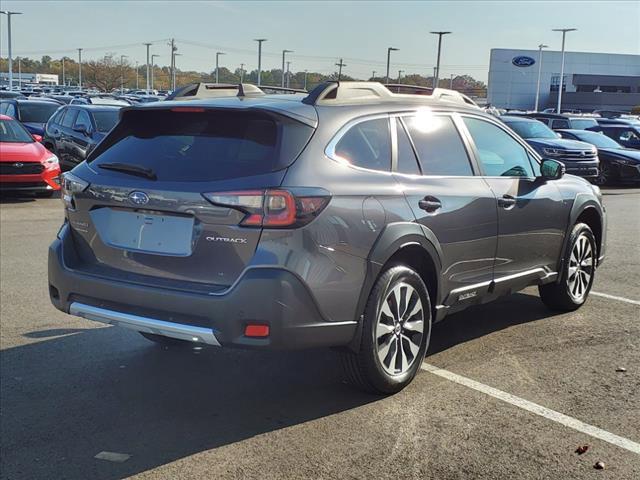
column 340, row 93
column 198, row 91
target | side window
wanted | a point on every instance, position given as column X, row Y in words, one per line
column 367, row 145
column 407, row 161
column 55, row 120
column 628, row 135
column 69, row 118
column 500, row 154
column 83, row 120
column 11, row 110
column 439, row 145
column 3, row 108
column 560, row 124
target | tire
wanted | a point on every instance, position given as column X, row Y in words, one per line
column 604, row 175
column 369, row 368
column 578, row 272
column 164, row 341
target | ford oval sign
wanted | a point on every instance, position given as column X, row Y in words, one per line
column 522, row 61
column 138, row 198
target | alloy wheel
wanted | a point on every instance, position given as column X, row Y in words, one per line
column 581, row 265
column 399, row 329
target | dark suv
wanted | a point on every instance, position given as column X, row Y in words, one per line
column 350, row 217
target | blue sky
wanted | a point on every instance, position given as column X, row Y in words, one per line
column 319, row 32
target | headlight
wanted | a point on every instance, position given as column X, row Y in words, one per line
column 52, row 160
column 552, row 152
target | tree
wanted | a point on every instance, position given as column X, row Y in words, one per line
column 105, row 74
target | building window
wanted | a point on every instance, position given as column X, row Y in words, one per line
column 555, row 82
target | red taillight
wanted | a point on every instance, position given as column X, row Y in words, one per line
column 271, row 208
column 254, row 330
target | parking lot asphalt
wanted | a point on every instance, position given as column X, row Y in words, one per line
column 71, row 389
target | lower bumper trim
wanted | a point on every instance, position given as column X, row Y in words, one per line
column 144, row 324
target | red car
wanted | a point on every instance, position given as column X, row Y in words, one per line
column 25, row 164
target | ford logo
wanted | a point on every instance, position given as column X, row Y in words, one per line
column 138, row 198
column 522, row 61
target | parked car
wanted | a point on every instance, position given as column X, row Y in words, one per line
column 8, row 94
column 25, row 164
column 556, row 122
column 579, row 158
column 33, row 114
column 617, row 163
column 63, row 99
column 100, row 99
column 626, row 134
column 75, row 130
column 350, row 217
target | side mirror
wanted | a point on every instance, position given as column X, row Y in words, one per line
column 82, row 129
column 558, row 135
column 551, row 169
column 37, row 138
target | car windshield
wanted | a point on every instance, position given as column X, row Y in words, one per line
column 106, row 120
column 532, row 129
column 37, row 112
column 12, row 132
column 597, row 139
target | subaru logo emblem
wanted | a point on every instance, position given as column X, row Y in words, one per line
column 18, row 164
column 138, row 198
column 523, row 61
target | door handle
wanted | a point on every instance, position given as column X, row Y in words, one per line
column 507, row 201
column 429, row 204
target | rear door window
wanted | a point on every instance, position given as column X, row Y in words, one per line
column 203, row 146
column 407, row 161
column 367, row 145
column 83, row 121
column 439, row 145
column 69, row 117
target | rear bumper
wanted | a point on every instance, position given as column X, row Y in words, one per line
column 267, row 296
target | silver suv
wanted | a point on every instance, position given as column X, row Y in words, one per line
column 348, row 217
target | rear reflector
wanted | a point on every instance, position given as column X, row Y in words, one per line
column 259, row 331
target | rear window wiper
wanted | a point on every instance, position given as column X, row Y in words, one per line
column 130, row 169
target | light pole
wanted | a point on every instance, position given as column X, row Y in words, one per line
column 80, row 68
column 305, row 78
column 288, row 74
column 175, row 55
column 259, row 40
column 148, row 79
column 389, row 50
column 451, row 82
column 437, row 74
column 340, row 65
column 217, row 60
column 241, row 72
column 8, row 14
column 122, row 57
column 373, row 75
column 172, row 80
column 400, row 72
column 137, row 76
column 63, row 79
column 540, row 47
column 434, row 77
column 564, row 33
column 19, row 73
column 284, row 52
column 153, row 62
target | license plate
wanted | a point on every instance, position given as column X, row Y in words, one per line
column 143, row 232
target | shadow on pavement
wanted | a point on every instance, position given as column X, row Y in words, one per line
column 68, row 398
column 482, row 320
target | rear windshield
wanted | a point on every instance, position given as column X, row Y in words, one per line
column 203, row 146
column 37, row 112
column 105, row 121
column 583, row 123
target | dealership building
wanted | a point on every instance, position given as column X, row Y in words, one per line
column 591, row 80
column 29, row 78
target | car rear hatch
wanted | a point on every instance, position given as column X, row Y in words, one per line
column 174, row 195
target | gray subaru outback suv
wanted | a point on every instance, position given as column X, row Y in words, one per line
column 349, row 217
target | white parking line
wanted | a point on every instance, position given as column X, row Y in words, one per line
column 614, row 297
column 537, row 409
